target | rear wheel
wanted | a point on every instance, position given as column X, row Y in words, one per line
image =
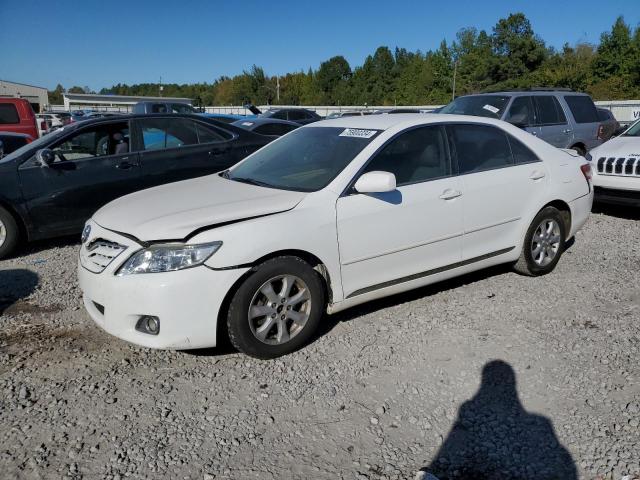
column 277, row 309
column 580, row 149
column 543, row 243
column 9, row 233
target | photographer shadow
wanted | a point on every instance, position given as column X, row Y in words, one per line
column 495, row 438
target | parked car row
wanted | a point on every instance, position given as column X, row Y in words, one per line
column 265, row 224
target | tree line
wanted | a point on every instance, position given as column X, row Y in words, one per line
column 510, row 56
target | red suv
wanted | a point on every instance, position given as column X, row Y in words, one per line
column 16, row 115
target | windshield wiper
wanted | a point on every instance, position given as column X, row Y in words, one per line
column 250, row 181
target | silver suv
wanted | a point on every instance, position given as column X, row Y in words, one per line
column 563, row 118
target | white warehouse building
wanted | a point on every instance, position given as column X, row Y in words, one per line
column 38, row 97
column 117, row 103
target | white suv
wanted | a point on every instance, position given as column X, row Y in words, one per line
column 329, row 216
column 616, row 168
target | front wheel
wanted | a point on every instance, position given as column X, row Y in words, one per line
column 9, row 233
column 543, row 243
column 277, row 309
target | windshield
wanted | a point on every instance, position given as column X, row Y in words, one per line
column 305, row 160
column 633, row 131
column 35, row 145
column 491, row 106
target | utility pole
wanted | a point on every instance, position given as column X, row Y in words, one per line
column 455, row 71
column 278, row 88
column 160, row 87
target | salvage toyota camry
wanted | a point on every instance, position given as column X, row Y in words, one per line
column 328, row 216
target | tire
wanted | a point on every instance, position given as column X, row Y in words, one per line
column 541, row 251
column 9, row 233
column 264, row 321
column 581, row 151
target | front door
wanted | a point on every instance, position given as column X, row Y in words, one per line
column 387, row 238
column 93, row 166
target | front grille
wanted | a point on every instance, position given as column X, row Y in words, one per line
column 99, row 253
column 621, row 166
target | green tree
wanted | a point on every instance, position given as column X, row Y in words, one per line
column 332, row 78
column 517, row 50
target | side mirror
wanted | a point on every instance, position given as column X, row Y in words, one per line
column 45, row 157
column 376, row 182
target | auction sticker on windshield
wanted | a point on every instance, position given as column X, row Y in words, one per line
column 491, row 108
column 358, row 133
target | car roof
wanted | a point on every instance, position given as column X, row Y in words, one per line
column 14, row 134
column 515, row 93
column 262, row 120
column 385, row 122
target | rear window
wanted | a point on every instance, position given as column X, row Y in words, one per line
column 582, row 108
column 604, row 115
column 480, row 147
column 161, row 133
column 491, row 106
column 549, row 110
column 8, row 113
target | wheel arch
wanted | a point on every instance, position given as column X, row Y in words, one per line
column 313, row 260
column 579, row 144
column 565, row 211
column 22, row 225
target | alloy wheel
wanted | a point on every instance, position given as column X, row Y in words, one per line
column 3, row 233
column 545, row 243
column 279, row 309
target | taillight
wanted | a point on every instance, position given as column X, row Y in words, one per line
column 587, row 172
column 601, row 132
column 43, row 125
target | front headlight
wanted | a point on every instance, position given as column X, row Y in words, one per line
column 168, row 258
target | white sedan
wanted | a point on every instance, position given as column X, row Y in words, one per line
column 329, row 216
column 616, row 168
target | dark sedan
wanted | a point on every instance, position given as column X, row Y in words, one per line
column 267, row 126
column 302, row 116
column 50, row 187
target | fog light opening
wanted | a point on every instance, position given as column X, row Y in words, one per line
column 148, row 324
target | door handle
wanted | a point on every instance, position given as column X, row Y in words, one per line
column 125, row 165
column 215, row 153
column 537, row 175
column 535, row 134
column 567, row 131
column 450, row 194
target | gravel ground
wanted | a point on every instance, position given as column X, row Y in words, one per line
column 492, row 375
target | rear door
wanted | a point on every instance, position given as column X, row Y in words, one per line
column 174, row 149
column 93, row 166
column 554, row 128
column 502, row 180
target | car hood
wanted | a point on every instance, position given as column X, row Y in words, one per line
column 176, row 210
column 618, row 147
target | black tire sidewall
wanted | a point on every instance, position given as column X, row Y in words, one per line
column 13, row 235
column 238, row 324
column 550, row 213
